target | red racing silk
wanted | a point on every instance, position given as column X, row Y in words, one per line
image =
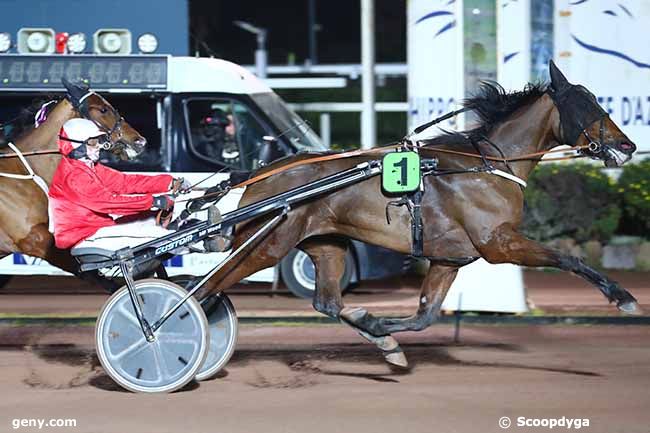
column 82, row 198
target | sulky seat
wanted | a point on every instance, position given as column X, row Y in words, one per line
column 91, row 254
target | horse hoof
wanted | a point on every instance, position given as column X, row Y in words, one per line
column 387, row 343
column 397, row 359
column 630, row 307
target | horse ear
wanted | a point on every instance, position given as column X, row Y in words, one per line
column 558, row 80
column 76, row 91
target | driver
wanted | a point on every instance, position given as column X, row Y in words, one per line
column 216, row 137
column 94, row 205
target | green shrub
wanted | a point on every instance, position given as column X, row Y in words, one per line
column 634, row 188
column 577, row 201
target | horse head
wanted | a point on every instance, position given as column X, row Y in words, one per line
column 126, row 142
column 583, row 122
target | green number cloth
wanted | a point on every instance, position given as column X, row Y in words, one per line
column 401, row 172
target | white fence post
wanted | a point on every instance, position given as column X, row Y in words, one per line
column 368, row 115
column 326, row 129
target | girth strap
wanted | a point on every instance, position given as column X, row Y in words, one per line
column 417, row 238
column 413, row 203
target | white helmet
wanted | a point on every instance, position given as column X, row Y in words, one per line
column 76, row 132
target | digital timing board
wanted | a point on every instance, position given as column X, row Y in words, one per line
column 44, row 72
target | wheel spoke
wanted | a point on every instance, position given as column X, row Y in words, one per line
column 170, row 339
column 160, row 361
column 129, row 315
column 135, row 348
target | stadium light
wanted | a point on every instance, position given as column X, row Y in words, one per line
column 5, row 42
column 77, row 43
column 147, row 43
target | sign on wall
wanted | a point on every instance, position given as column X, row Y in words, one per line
column 603, row 45
column 435, row 58
column 513, row 53
column 451, row 46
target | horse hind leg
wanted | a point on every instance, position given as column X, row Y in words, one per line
column 328, row 256
column 266, row 253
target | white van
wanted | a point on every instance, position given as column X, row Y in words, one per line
column 200, row 116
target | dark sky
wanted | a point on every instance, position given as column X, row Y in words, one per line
column 287, row 23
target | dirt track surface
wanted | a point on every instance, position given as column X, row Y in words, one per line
column 551, row 292
column 326, row 379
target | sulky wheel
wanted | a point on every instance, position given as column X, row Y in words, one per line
column 222, row 321
column 175, row 355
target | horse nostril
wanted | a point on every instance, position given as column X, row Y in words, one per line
column 627, row 147
column 141, row 141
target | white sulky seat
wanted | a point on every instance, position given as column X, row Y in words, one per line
column 91, row 254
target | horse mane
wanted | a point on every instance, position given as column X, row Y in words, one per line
column 493, row 104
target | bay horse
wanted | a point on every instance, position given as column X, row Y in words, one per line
column 465, row 216
column 23, row 204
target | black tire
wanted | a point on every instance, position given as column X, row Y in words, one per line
column 4, row 279
column 298, row 273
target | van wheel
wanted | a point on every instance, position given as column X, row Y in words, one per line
column 299, row 274
column 4, row 279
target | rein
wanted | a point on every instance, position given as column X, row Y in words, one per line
column 359, row 152
column 526, row 157
column 32, row 153
column 260, row 177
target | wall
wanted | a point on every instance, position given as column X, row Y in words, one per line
column 167, row 19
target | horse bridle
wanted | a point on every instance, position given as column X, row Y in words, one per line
column 578, row 118
column 82, row 107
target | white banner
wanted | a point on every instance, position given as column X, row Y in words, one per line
column 603, row 45
column 435, row 59
column 513, row 43
column 437, row 76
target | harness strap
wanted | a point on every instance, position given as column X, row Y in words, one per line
column 417, row 238
column 30, row 176
column 508, row 176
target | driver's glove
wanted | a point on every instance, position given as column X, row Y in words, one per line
column 164, row 202
column 181, row 184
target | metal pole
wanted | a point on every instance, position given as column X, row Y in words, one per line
column 312, row 32
column 459, row 315
column 368, row 115
column 326, row 129
column 260, row 54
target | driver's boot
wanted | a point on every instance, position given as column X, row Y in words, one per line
column 222, row 241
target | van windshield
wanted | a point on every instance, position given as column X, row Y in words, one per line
column 297, row 131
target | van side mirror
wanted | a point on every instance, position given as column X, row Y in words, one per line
column 270, row 151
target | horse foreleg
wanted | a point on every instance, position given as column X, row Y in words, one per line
column 506, row 245
column 328, row 256
column 434, row 289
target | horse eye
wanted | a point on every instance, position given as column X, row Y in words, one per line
column 104, row 110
